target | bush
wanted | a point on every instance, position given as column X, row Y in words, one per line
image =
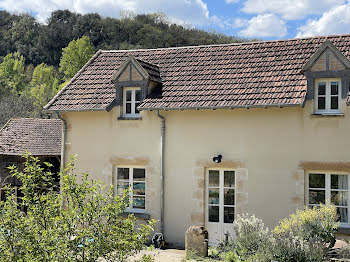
column 318, row 222
column 305, row 236
column 80, row 222
column 252, row 238
column 290, row 248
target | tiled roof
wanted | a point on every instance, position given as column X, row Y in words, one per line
column 37, row 136
column 152, row 70
column 232, row 75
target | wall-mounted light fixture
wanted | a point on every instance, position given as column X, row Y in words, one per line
column 217, row 159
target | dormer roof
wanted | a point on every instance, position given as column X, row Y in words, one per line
column 327, row 45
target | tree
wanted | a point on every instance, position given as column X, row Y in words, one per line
column 12, row 72
column 16, row 106
column 79, row 222
column 75, row 55
column 44, row 84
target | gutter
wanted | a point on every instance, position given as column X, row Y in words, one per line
column 64, row 136
column 162, row 145
column 220, row 107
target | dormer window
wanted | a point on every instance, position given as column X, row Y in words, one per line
column 131, row 100
column 134, row 80
column 328, row 95
column 327, row 73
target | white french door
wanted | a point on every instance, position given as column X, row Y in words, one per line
column 220, row 204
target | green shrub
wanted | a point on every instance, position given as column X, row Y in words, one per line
column 290, row 248
column 213, row 252
column 252, row 238
column 304, row 237
column 318, row 222
column 81, row 222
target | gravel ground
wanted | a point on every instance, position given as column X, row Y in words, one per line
column 171, row 255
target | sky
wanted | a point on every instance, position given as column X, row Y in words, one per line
column 259, row 19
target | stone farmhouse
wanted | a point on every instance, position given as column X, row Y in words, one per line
column 204, row 133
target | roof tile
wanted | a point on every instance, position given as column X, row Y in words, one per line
column 233, row 75
column 36, row 136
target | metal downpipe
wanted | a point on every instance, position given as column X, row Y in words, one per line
column 162, row 145
column 63, row 148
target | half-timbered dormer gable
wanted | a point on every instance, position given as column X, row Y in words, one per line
column 134, row 80
column 327, row 72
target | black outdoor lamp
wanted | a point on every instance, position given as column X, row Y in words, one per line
column 217, row 159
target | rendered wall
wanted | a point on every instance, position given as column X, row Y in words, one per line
column 269, row 149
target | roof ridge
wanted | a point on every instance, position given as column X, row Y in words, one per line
column 228, row 44
column 74, row 77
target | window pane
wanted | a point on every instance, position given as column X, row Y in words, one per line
column 334, row 102
column 213, row 213
column 128, row 95
column 123, row 173
column 139, row 188
column 229, row 196
column 138, row 202
column 121, row 186
column 316, row 181
column 322, row 88
column 339, row 181
column 138, row 95
column 334, row 88
column 128, row 108
column 229, row 214
column 136, row 110
column 139, row 174
column 343, row 214
column 339, row 198
column 214, row 178
column 321, row 103
column 317, row 197
column 229, row 178
column 214, row 196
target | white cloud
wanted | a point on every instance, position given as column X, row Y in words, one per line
column 231, row 1
column 335, row 21
column 267, row 25
column 290, row 9
column 183, row 11
column 240, row 22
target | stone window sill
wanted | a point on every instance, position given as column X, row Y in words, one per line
column 129, row 118
column 137, row 214
column 327, row 115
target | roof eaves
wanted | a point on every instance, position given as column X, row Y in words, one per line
column 74, row 110
column 219, row 107
column 70, row 81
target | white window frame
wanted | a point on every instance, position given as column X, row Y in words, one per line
column 328, row 96
column 328, row 190
column 133, row 101
column 130, row 181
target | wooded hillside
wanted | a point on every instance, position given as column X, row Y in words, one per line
column 40, row 43
column 36, row 60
